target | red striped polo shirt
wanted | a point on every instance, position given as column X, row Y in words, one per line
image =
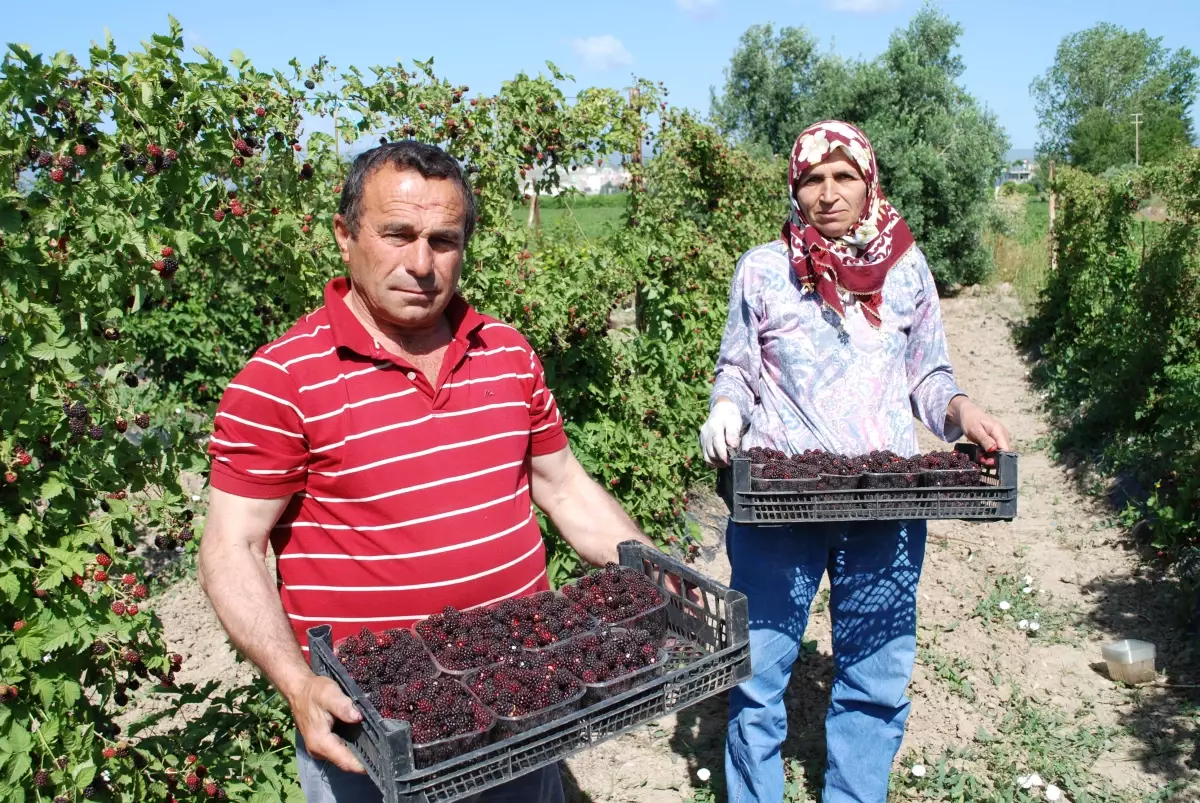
column 406, row 497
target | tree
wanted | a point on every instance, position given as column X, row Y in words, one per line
column 1100, row 78
column 938, row 150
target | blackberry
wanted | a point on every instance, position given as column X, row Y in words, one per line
column 538, row 680
column 542, row 619
column 78, row 426
column 41, row 779
column 45, row 158
column 96, row 432
column 129, row 164
column 126, row 150
column 131, row 380
column 185, row 534
column 64, row 161
column 436, row 709
column 310, row 84
column 141, row 160
column 120, row 424
column 306, row 171
column 615, row 593
column 610, row 654
column 86, row 129
column 170, row 265
column 99, row 647
column 142, row 420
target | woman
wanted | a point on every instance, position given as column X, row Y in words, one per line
column 834, row 342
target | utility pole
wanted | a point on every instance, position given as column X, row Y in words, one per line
column 1137, row 138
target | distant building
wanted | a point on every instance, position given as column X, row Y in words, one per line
column 589, row 180
column 1020, row 172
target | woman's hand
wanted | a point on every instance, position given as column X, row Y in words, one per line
column 977, row 425
column 721, row 432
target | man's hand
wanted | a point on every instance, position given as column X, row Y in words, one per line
column 721, row 432
column 315, row 704
column 978, row 426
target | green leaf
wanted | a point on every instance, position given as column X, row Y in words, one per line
column 238, row 58
column 43, row 351
column 51, row 488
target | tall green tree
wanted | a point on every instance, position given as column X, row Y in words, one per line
column 938, row 149
column 1101, row 77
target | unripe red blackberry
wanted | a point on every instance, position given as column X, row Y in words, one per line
column 211, row 789
column 131, row 655
column 24, row 459
column 108, row 752
column 167, row 251
column 81, row 150
column 118, row 607
column 219, row 215
column 129, row 579
column 45, row 159
column 140, row 591
column 260, row 111
column 57, row 175
column 172, row 155
column 10, row 477
column 155, row 151
column 64, row 161
column 238, row 162
column 100, row 576
column 131, row 610
column 193, row 781
column 142, row 420
column 103, row 560
column 18, row 625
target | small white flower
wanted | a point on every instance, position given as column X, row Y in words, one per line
column 1023, row 624
column 195, row 497
column 1034, row 626
column 703, row 774
column 918, row 770
column 178, row 411
column 1053, row 792
column 1026, row 589
column 1005, row 605
column 1030, row 781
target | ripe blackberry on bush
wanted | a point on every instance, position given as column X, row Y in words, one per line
column 615, row 593
column 78, row 426
column 542, row 619
column 524, row 684
column 142, row 420
column 170, row 265
column 394, row 656
column 78, row 410
column 96, row 432
column 610, row 654
column 462, row 640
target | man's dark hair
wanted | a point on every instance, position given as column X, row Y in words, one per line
column 429, row 161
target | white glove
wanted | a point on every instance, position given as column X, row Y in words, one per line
column 720, row 433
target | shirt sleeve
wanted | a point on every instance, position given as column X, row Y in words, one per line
column 546, row 434
column 931, row 383
column 739, row 363
column 259, row 447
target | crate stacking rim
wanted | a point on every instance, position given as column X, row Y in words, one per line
column 708, row 651
column 994, row 500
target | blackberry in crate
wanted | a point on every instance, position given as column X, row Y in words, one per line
column 437, row 710
column 615, row 594
column 949, row 469
column 463, row 640
column 524, row 685
column 542, row 620
column 391, row 657
column 609, row 654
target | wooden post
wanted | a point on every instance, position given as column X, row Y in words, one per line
column 535, row 212
column 1050, row 233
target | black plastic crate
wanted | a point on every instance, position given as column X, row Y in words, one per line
column 994, row 500
column 708, row 649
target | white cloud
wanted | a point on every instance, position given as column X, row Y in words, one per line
column 863, row 6
column 697, row 8
column 603, row 52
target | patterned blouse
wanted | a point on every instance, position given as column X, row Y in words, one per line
column 804, row 379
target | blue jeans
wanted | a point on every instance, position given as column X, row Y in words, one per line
column 323, row 782
column 873, row 569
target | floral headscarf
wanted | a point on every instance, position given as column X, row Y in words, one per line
column 857, row 262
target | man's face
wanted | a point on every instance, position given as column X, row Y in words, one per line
column 407, row 258
column 832, row 194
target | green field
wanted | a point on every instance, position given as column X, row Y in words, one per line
column 593, row 216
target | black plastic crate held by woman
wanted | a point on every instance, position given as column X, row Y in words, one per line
column 993, row 498
column 707, row 651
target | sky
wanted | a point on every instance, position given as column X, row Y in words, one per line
column 685, row 43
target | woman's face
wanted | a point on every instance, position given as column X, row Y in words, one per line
column 831, row 195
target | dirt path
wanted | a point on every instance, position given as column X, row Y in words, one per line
column 991, row 699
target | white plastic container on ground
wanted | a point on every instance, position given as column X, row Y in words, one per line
column 1130, row 661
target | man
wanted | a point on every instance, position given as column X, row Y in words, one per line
column 390, row 446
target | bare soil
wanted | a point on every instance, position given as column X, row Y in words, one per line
column 1096, row 589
